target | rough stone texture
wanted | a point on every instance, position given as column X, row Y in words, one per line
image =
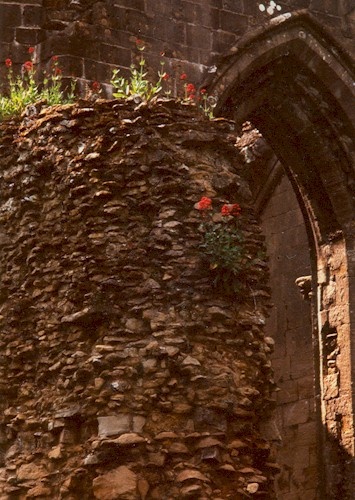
column 120, row 357
column 118, row 483
column 295, row 71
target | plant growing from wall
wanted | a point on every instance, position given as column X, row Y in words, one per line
column 207, row 103
column 24, row 89
column 140, row 87
column 223, row 244
column 137, row 85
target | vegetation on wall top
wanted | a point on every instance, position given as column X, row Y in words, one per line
column 30, row 87
column 25, row 88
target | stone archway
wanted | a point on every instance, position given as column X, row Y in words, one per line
column 289, row 323
column 296, row 86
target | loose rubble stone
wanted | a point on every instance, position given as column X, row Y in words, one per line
column 30, row 472
column 119, row 483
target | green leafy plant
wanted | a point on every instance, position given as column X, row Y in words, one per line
column 24, row 89
column 223, row 243
column 138, row 84
column 207, row 103
column 52, row 89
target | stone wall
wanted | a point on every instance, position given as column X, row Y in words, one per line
column 211, row 39
column 295, row 352
column 125, row 371
column 95, row 36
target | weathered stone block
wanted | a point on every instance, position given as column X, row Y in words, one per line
column 115, row 424
column 296, row 413
column 331, row 386
column 233, row 6
column 234, row 23
column 31, row 472
column 138, row 423
column 114, row 54
column 10, row 14
column 118, row 483
column 306, row 387
column 287, row 393
column 198, row 36
column 307, row 434
column 33, row 15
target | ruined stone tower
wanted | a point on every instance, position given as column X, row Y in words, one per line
column 291, row 75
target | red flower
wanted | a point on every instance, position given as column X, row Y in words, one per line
column 96, row 86
column 139, row 44
column 231, row 209
column 203, row 91
column 236, row 209
column 8, row 62
column 28, row 66
column 57, row 71
column 190, row 88
column 165, row 76
column 204, row 203
column 192, row 97
column 54, row 58
column 183, row 76
column 31, row 50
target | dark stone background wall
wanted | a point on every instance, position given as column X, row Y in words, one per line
column 96, row 36
column 293, row 360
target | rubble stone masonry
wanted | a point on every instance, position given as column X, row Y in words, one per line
column 71, row 180
column 125, row 371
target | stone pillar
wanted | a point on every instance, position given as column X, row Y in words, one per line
column 335, row 364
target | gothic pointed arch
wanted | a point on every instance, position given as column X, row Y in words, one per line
column 296, row 85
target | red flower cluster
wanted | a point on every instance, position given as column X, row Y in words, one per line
column 96, row 86
column 8, row 62
column 183, row 76
column 227, row 209
column 165, row 76
column 190, row 91
column 28, row 66
column 204, row 203
column 54, row 59
column 31, row 50
column 190, row 88
column 231, row 209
